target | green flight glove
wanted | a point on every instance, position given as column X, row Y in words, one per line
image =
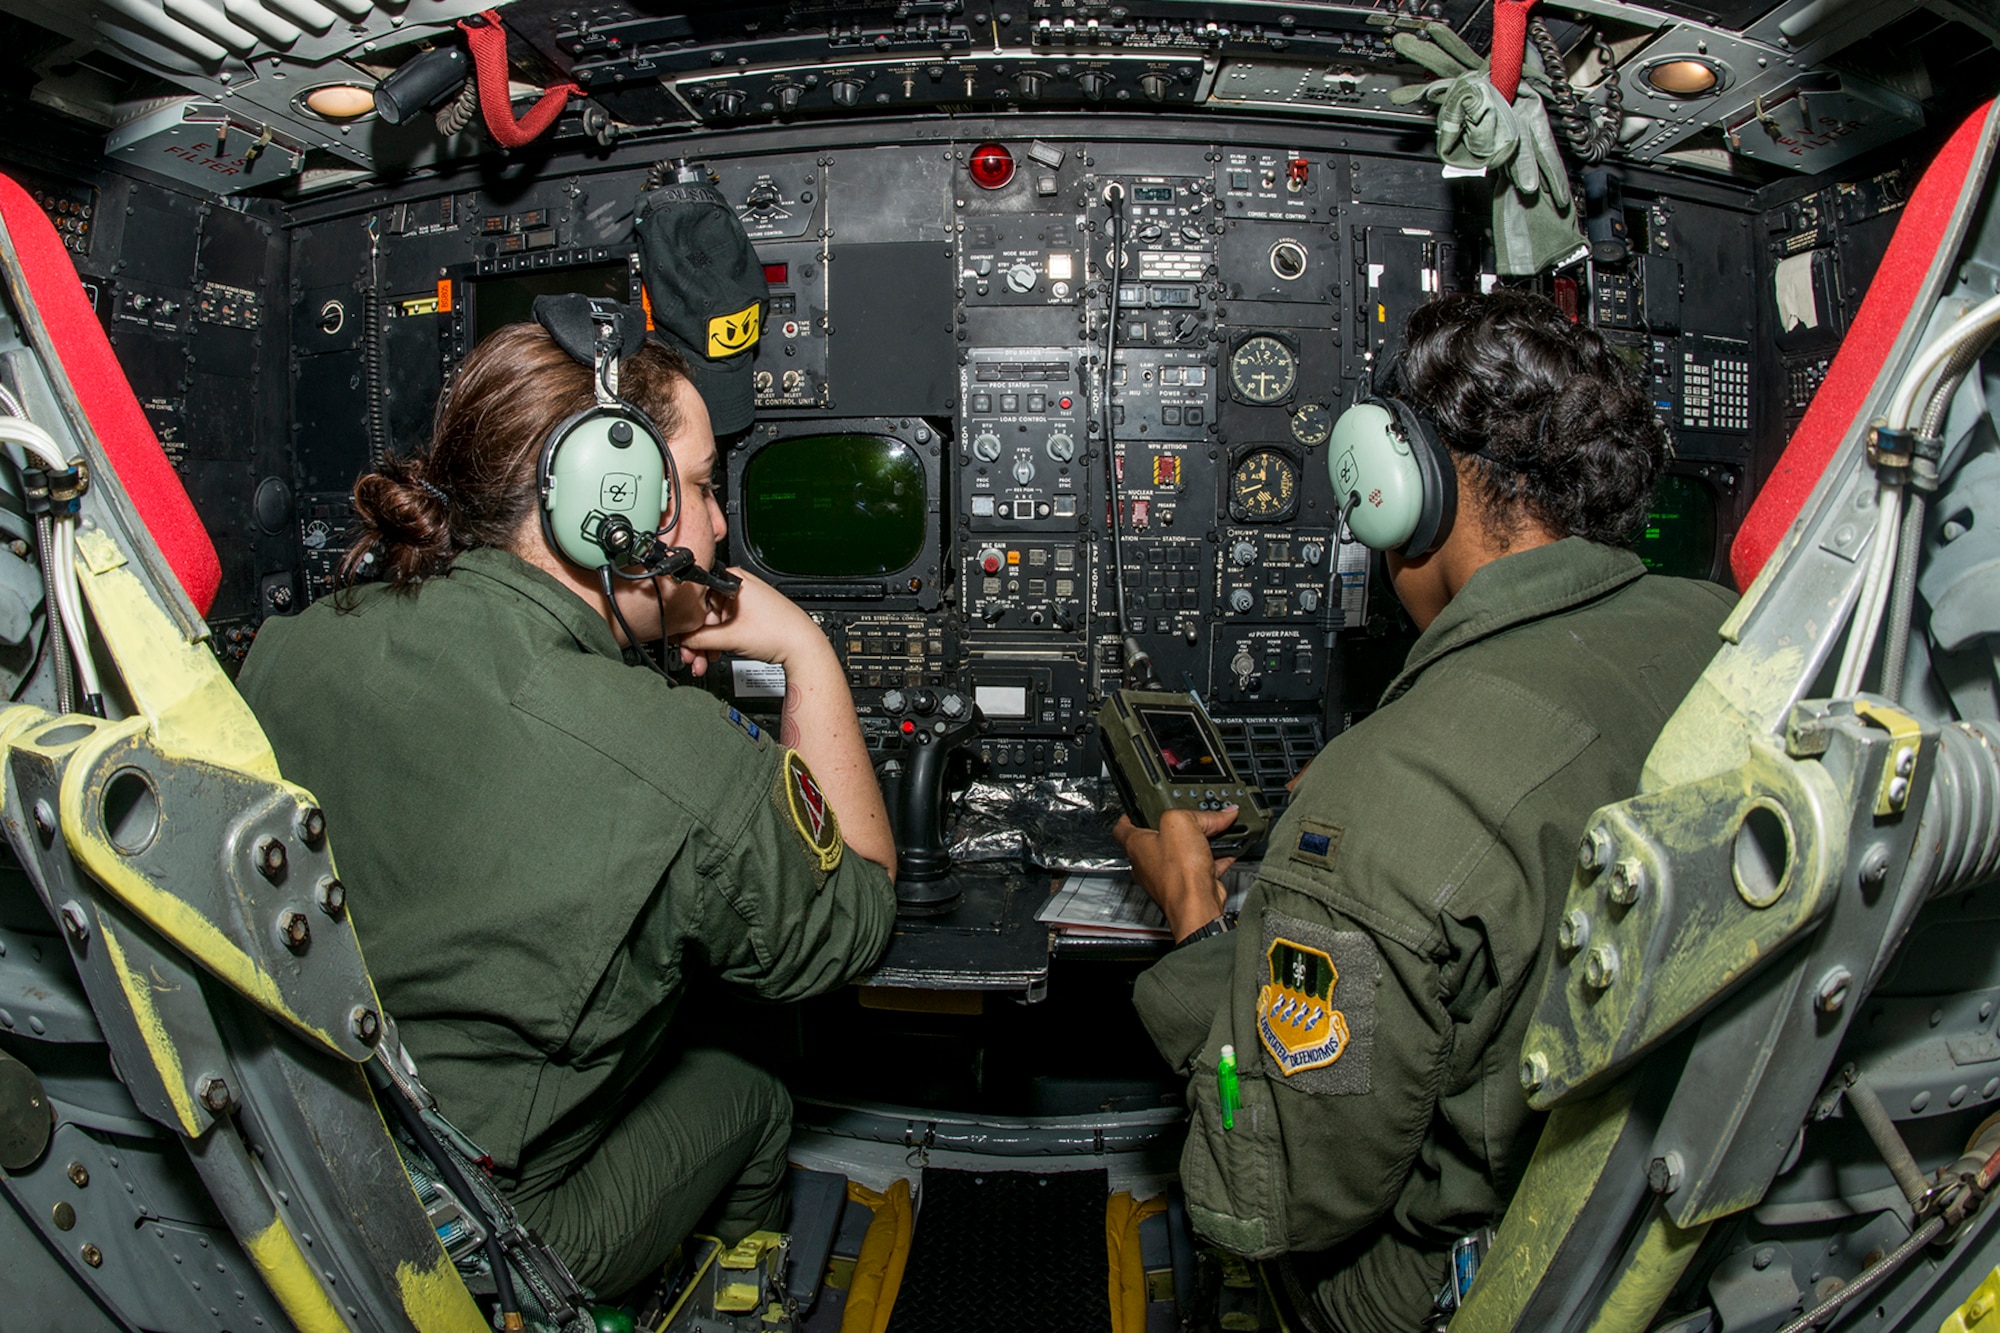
column 1534, row 214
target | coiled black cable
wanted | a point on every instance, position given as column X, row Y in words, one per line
column 1591, row 131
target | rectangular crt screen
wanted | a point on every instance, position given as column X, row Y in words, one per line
column 1679, row 536
column 1183, row 750
column 511, row 299
column 834, row 506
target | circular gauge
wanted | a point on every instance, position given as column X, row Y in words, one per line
column 1262, row 370
column 1263, row 487
column 1311, row 424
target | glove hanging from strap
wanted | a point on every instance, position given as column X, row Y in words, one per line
column 1511, row 144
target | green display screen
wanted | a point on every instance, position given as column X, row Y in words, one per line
column 511, row 299
column 1679, row 536
column 834, row 506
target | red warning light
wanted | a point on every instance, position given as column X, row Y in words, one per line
column 992, row 166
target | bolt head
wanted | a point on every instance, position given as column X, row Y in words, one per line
column 1874, row 867
column 93, row 1256
column 1600, row 966
column 1628, row 879
column 1906, row 762
column 215, row 1093
column 1534, row 1070
column 45, row 819
column 74, row 923
column 294, row 929
column 332, row 896
column 270, row 856
column 365, row 1024
column 1831, row 996
column 1573, row 931
column 1663, row 1173
column 1899, row 790
column 1592, row 852
column 78, row 1174
column 311, row 824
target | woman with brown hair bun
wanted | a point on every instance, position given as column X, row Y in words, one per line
column 542, row 841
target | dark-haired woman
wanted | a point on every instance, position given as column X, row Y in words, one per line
column 1378, row 985
column 542, row 842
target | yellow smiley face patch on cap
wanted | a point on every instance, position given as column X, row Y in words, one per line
column 730, row 334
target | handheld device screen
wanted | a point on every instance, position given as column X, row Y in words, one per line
column 1183, row 749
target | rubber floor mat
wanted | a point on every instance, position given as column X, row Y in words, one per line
column 1007, row 1252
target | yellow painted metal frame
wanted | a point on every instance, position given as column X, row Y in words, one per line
column 185, row 708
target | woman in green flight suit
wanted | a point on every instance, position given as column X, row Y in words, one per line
column 542, row 842
column 1378, row 986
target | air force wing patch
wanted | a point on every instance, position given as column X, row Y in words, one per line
column 1316, row 999
column 1296, row 1019
column 818, row 827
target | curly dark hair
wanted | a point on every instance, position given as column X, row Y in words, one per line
column 476, row 485
column 1552, row 421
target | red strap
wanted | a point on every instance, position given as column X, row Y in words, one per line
column 488, row 41
column 106, row 397
column 1510, row 35
column 1851, row 378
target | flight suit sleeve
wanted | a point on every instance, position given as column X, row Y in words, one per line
column 1340, row 1043
column 792, row 910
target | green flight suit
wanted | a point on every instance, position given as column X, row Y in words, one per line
column 539, row 843
column 1381, row 978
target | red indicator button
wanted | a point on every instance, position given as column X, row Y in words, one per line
column 1063, row 403
column 991, row 165
column 909, row 727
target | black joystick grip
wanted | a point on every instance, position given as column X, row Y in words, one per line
column 916, row 798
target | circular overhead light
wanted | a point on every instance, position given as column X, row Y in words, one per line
column 991, row 165
column 338, row 101
column 1683, row 76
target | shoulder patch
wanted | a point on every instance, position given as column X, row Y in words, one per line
column 1318, row 843
column 818, row 826
column 745, row 725
column 1316, row 1004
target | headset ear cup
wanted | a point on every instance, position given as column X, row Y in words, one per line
column 1439, row 478
column 595, row 467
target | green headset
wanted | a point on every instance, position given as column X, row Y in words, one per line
column 605, row 477
column 1393, row 477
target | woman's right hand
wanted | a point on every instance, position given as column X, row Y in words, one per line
column 759, row 623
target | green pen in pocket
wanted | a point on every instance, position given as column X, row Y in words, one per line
column 1226, row 1087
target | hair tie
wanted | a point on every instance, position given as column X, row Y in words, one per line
column 1542, row 428
column 441, row 496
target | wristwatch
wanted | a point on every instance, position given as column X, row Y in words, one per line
column 1222, row 925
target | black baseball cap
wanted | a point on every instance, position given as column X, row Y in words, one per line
column 707, row 289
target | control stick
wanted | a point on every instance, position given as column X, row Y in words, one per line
column 915, row 795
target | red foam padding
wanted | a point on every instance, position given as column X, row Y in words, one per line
column 1849, row 380
column 99, row 382
column 488, row 43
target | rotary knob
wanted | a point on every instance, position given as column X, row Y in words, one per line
column 1310, row 552
column 1024, row 470
column 1061, row 447
column 1243, row 552
column 924, row 702
column 788, row 97
column 725, row 103
column 1241, row 601
column 763, row 195
column 986, row 445
column 1093, row 82
column 1021, row 278
column 1242, row 666
column 1029, row 84
column 990, row 560
column 845, row 92
column 1309, row 599
column 1154, row 85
